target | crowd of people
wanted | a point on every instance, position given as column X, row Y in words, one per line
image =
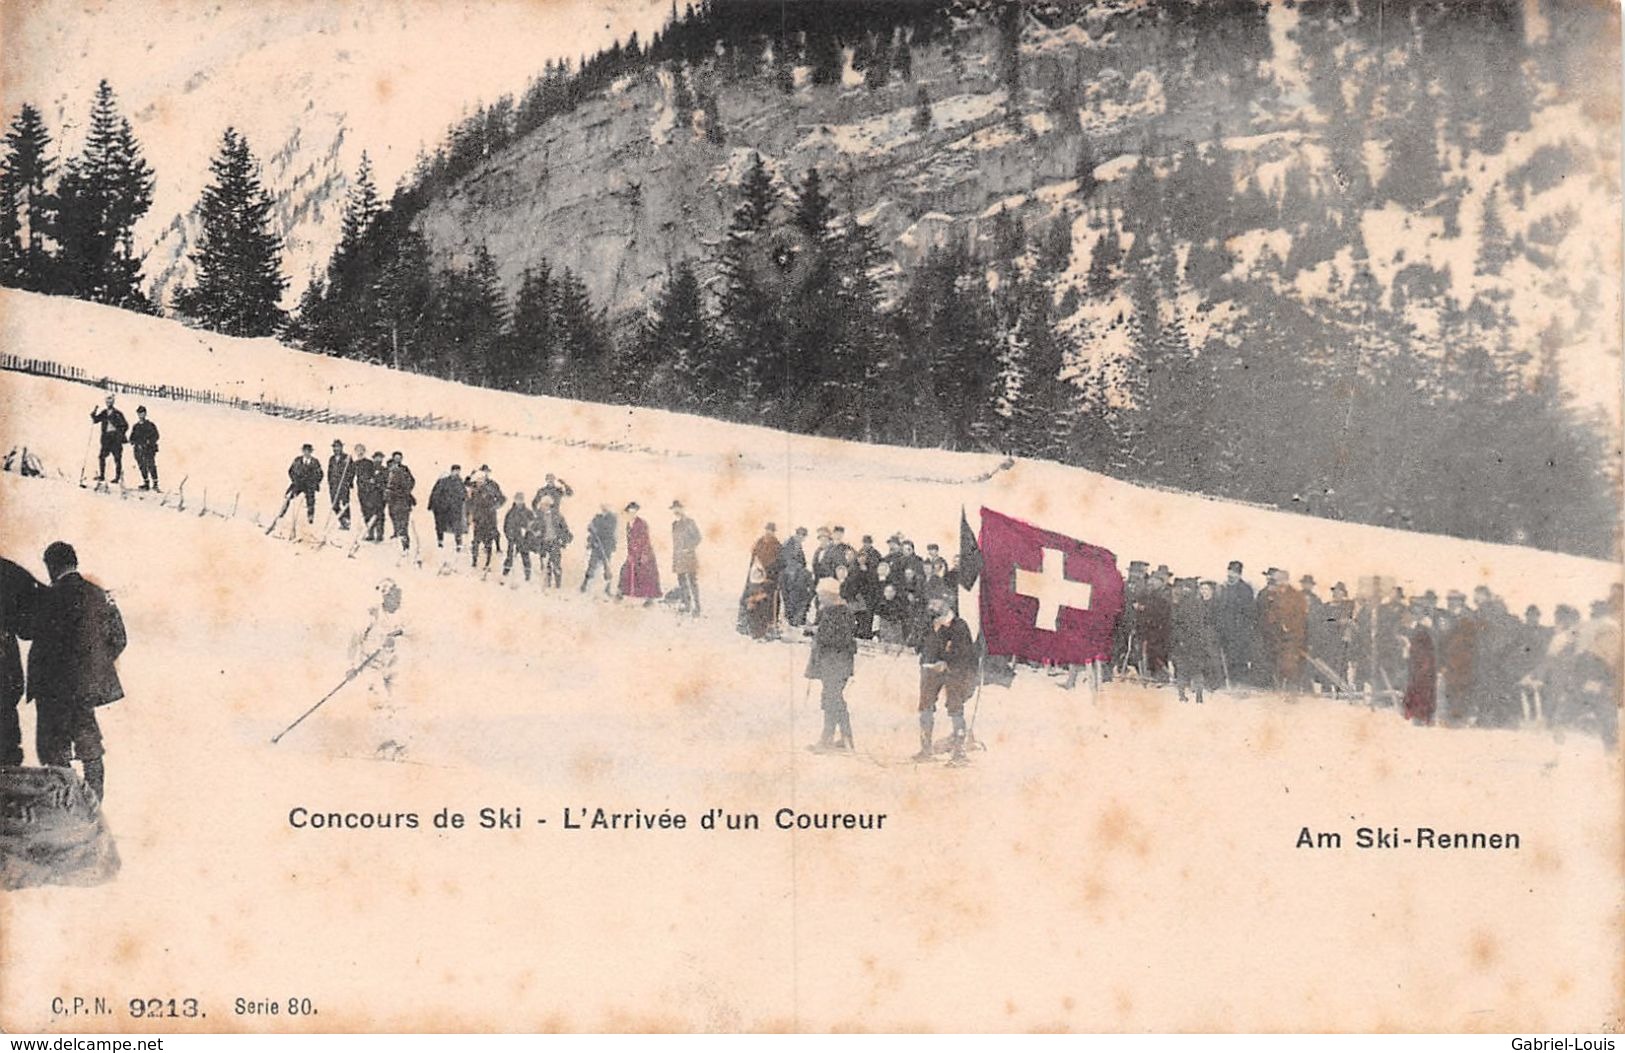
column 1467, row 662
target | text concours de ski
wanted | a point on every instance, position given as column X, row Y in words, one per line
column 302, row 818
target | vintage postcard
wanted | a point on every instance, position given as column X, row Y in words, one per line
column 820, row 515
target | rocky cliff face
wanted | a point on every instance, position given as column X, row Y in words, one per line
column 626, row 187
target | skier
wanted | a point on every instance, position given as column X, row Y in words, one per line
column 831, row 664
column 340, row 477
column 550, row 535
column 144, row 444
column 78, row 636
column 304, row 477
column 446, row 501
column 20, row 593
column 381, row 634
column 485, row 499
column 685, row 559
column 370, row 475
column 640, row 574
column 601, row 541
column 113, row 429
column 398, row 485
column 516, row 527
column 947, row 661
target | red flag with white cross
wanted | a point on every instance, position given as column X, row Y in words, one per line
column 1046, row 597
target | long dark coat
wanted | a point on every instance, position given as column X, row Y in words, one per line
column 20, row 593
column 834, row 644
column 484, row 501
column 1421, row 691
column 78, row 634
column 1196, row 638
column 446, row 502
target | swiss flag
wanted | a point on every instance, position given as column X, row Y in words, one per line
column 1046, row 597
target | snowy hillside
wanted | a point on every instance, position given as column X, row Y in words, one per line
column 310, row 85
column 1098, row 841
column 732, row 477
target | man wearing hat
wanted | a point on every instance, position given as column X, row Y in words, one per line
column 550, row 536
column 304, row 477
column 398, row 486
column 1283, row 622
column 831, row 663
column 1235, row 616
column 685, row 558
column 1315, row 631
column 948, row 664
column 113, row 431
column 447, row 499
column 144, row 444
column 1126, row 633
column 795, row 580
column 340, row 477
column 370, row 473
column 484, row 503
column 1458, row 646
column 640, row 574
column 1156, row 622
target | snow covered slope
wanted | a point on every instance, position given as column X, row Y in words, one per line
column 1098, row 842
column 732, row 478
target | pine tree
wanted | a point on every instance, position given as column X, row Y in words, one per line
column 750, row 331
column 484, row 326
column 1105, row 261
column 1083, row 169
column 103, row 193
column 27, row 208
column 239, row 257
column 533, row 332
column 667, row 358
column 1494, row 249
column 903, row 61
column 345, row 321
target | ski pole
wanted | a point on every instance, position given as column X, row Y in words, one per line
column 84, row 464
column 351, row 675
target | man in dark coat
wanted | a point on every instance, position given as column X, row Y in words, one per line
column 370, row 474
column 446, row 500
column 834, row 646
column 1196, row 638
column 1283, row 625
column 304, row 479
column 602, row 537
column 1126, row 632
column 114, row 427
column 685, row 557
column 485, row 499
column 144, row 444
column 1421, row 683
column 1458, row 659
column 78, row 635
column 795, row 579
column 1236, row 618
column 340, row 478
column 947, row 663
column 20, row 594
column 398, row 487
column 516, row 528
column 1156, row 623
